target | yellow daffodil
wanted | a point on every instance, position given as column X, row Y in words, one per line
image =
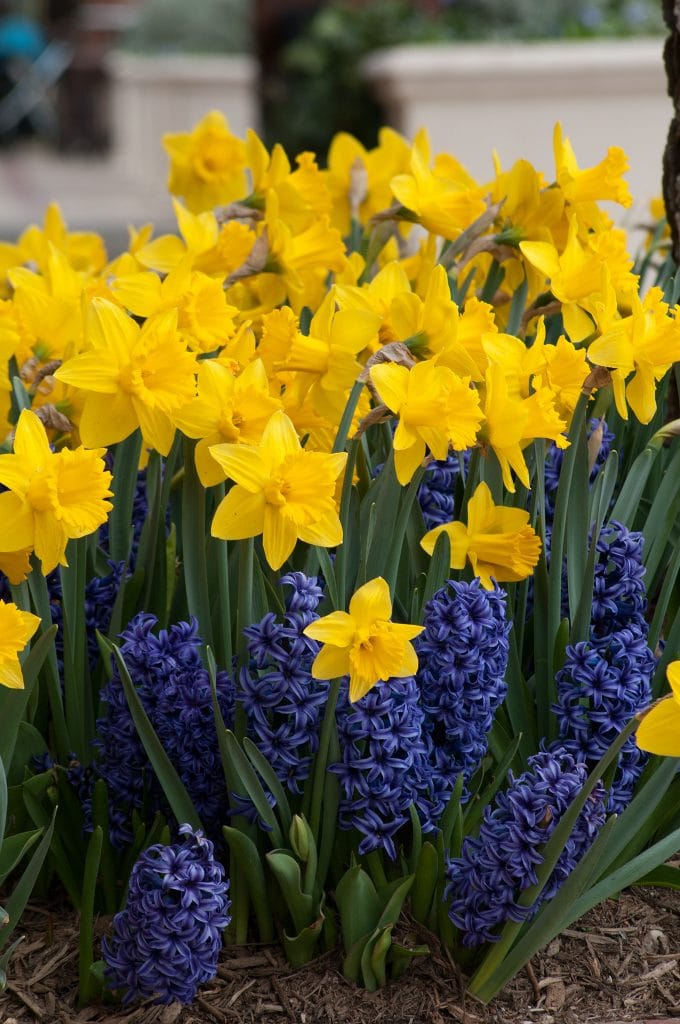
column 204, row 317
column 359, row 179
column 84, row 250
column 436, row 409
column 16, row 629
column 363, row 643
column 498, row 541
column 51, row 497
column 644, row 344
column 207, row 165
column 228, row 409
column 445, row 201
column 603, row 181
column 303, row 193
column 326, row 358
column 132, row 377
column 282, row 491
column 659, row 730
column 575, row 276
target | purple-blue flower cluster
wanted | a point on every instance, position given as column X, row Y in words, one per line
column 174, row 689
column 607, row 679
column 435, row 493
column 283, row 703
column 408, row 739
column 167, row 939
column 493, row 870
column 383, row 761
column 463, row 654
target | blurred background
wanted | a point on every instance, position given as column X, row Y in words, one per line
column 87, row 88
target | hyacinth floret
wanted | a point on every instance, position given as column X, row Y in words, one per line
column 383, row 761
column 463, row 654
column 174, row 688
column 486, row 881
column 167, row 939
column 283, row 703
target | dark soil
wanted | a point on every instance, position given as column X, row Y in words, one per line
column 621, row 962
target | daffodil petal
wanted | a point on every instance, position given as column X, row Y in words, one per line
column 337, row 629
column 371, row 602
column 239, row 515
column 659, row 730
column 279, row 536
column 330, row 663
column 242, row 464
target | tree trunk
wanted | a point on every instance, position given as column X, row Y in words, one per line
column 671, row 157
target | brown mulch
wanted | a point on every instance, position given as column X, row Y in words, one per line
column 621, row 962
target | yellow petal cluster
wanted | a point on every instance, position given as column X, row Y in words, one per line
column 16, row 629
column 363, row 642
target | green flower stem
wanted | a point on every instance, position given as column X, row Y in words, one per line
column 40, row 598
column 223, row 639
column 193, row 546
column 77, row 696
column 125, row 466
column 321, row 759
column 244, row 617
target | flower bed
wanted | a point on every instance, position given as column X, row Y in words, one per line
column 341, row 525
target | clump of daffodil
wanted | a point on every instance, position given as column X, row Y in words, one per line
column 52, row 497
column 282, row 491
column 497, row 541
column 16, row 629
column 436, row 408
column 363, row 642
column 659, row 730
column 207, row 164
column 132, row 377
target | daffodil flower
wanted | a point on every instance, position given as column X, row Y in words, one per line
column 283, row 492
column 16, row 629
column 363, row 643
column 659, row 730
column 498, row 541
column 132, row 377
column 52, row 496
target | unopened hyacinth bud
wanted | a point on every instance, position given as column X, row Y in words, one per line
column 167, row 939
column 487, row 880
column 463, row 654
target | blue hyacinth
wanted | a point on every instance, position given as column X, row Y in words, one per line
column 607, row 679
column 383, row 761
column 494, row 869
column 463, row 654
column 436, row 490
column 167, row 939
column 174, row 688
column 283, row 703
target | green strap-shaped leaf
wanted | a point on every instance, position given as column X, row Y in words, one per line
column 94, row 852
column 14, row 906
column 247, row 856
column 171, row 784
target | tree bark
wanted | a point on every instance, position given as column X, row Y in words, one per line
column 671, row 157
